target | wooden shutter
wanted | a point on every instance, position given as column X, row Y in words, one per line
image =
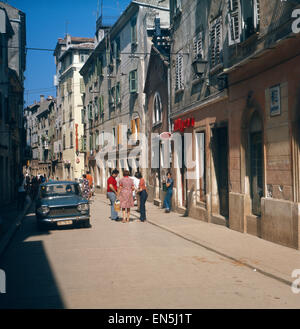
column 100, row 100
column 133, row 81
column 138, row 125
column 234, row 21
column 215, row 42
column 256, row 4
column 179, row 71
column 197, row 46
column 133, row 127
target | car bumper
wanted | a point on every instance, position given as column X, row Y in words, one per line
column 59, row 220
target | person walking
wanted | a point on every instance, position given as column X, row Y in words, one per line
column 85, row 188
column 112, row 191
column 125, row 195
column 90, row 179
column 168, row 198
column 136, row 196
column 143, row 195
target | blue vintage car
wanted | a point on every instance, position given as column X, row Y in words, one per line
column 60, row 203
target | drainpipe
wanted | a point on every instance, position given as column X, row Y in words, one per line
column 169, row 97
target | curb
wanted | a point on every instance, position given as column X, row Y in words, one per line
column 14, row 227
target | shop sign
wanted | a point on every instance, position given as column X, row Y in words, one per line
column 181, row 124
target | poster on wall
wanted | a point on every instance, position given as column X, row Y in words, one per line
column 275, row 101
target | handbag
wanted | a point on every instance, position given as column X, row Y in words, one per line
column 117, row 206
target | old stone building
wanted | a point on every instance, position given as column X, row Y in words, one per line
column 234, row 90
column 70, row 55
column 12, row 68
column 39, row 124
column 157, row 114
column 114, row 79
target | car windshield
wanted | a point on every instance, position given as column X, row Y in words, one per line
column 59, row 190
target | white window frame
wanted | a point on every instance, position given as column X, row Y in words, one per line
column 179, row 73
column 234, row 21
column 216, row 42
column 198, row 46
column 157, row 109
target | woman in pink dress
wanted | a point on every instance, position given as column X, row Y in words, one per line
column 125, row 195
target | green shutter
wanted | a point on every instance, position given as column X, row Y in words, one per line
column 101, row 110
column 90, row 112
column 83, row 116
column 118, row 93
column 99, row 67
column 133, row 81
column 133, row 31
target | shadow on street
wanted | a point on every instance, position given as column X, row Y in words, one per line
column 30, row 282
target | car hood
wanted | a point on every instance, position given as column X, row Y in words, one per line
column 63, row 201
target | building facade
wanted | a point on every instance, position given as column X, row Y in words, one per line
column 114, row 102
column 12, row 67
column 70, row 55
column 39, row 121
column 234, row 104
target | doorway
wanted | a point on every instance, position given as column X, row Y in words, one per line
column 256, row 163
column 220, row 158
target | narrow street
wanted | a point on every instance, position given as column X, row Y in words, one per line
column 135, row 265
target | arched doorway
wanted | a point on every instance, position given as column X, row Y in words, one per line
column 256, row 162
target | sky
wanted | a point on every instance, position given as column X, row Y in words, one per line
column 48, row 20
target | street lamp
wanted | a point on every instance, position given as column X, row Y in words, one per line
column 199, row 66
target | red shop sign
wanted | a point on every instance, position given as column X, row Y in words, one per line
column 180, row 124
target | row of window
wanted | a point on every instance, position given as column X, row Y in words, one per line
column 118, row 135
column 243, row 20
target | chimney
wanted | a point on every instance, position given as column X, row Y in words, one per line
column 42, row 98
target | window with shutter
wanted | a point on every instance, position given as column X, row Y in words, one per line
column 82, row 87
column 118, row 93
column 256, row 14
column 179, row 72
column 198, row 46
column 112, row 96
column 97, row 139
column 157, row 110
column 69, row 85
column 118, row 49
column 90, row 112
column 96, row 106
column 133, row 31
column 133, row 81
column 234, row 21
column 215, row 42
column 91, row 142
column 83, row 116
column 101, row 108
column 99, row 68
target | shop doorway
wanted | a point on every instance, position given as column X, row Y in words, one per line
column 220, row 159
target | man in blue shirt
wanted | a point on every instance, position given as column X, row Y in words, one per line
column 168, row 197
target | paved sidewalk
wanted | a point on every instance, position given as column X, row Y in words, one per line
column 10, row 221
column 268, row 258
column 245, row 250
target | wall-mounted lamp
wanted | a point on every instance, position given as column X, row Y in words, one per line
column 199, row 66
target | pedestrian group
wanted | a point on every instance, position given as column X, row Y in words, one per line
column 123, row 195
